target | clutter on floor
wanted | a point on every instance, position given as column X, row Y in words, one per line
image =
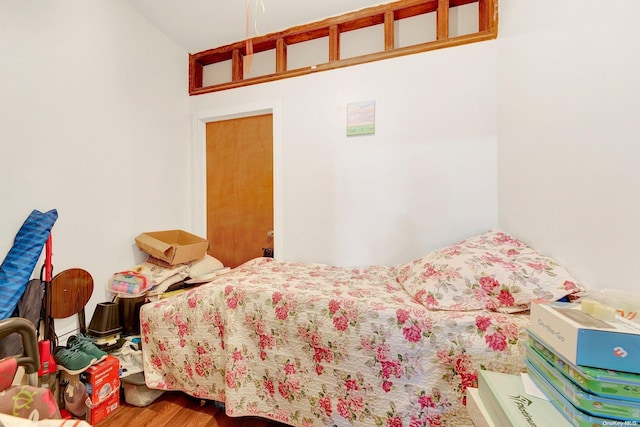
column 102, row 363
column 176, row 260
column 130, row 356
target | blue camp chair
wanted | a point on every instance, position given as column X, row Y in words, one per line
column 17, row 267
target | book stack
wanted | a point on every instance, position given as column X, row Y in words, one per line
column 589, row 368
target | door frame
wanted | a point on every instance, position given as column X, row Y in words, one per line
column 199, row 166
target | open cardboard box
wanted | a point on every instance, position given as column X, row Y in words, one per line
column 173, row 246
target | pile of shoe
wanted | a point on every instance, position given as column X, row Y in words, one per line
column 80, row 353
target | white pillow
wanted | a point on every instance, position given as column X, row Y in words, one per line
column 204, row 265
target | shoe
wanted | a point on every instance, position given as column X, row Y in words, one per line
column 73, row 361
column 86, row 345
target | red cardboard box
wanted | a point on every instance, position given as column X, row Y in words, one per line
column 102, row 382
column 102, row 379
column 104, row 409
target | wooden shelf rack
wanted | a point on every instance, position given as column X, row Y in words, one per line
column 386, row 15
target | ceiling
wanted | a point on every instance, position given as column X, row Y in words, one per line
column 199, row 25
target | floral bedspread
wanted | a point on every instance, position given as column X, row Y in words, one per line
column 317, row 345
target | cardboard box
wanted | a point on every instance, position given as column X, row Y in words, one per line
column 173, row 246
column 102, row 379
column 102, row 382
column 585, row 340
column 104, row 409
column 508, row 404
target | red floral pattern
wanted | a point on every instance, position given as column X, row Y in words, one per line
column 492, row 271
column 315, row 345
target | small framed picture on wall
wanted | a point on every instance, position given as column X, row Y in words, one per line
column 361, row 118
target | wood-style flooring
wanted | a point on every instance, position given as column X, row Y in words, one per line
column 179, row 410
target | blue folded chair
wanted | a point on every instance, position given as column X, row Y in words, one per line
column 17, row 267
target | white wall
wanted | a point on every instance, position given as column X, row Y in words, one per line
column 426, row 178
column 94, row 122
column 568, row 109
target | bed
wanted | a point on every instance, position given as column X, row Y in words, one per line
column 317, row 345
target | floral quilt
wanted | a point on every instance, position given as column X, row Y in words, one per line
column 317, row 345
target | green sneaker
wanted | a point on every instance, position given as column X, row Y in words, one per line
column 73, row 361
column 85, row 344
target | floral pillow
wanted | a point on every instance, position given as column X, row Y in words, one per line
column 492, row 271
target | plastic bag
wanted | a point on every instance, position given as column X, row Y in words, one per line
column 625, row 304
column 130, row 283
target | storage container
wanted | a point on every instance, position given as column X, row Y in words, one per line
column 136, row 392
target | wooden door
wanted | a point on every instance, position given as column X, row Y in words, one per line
column 239, row 188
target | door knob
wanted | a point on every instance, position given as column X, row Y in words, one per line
column 270, row 234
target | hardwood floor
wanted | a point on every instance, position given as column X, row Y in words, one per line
column 178, row 409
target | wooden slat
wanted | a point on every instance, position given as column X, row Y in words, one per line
column 332, row 28
column 195, row 74
column 488, row 15
column 407, row 50
column 443, row 20
column 389, row 30
column 237, row 66
column 334, row 43
column 311, row 31
column 416, row 9
column 281, row 56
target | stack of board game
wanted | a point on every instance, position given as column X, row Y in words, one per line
column 588, row 367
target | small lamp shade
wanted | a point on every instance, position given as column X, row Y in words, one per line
column 105, row 320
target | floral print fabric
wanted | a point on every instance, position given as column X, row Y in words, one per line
column 493, row 271
column 317, row 345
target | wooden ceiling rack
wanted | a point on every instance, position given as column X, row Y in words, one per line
column 386, row 15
